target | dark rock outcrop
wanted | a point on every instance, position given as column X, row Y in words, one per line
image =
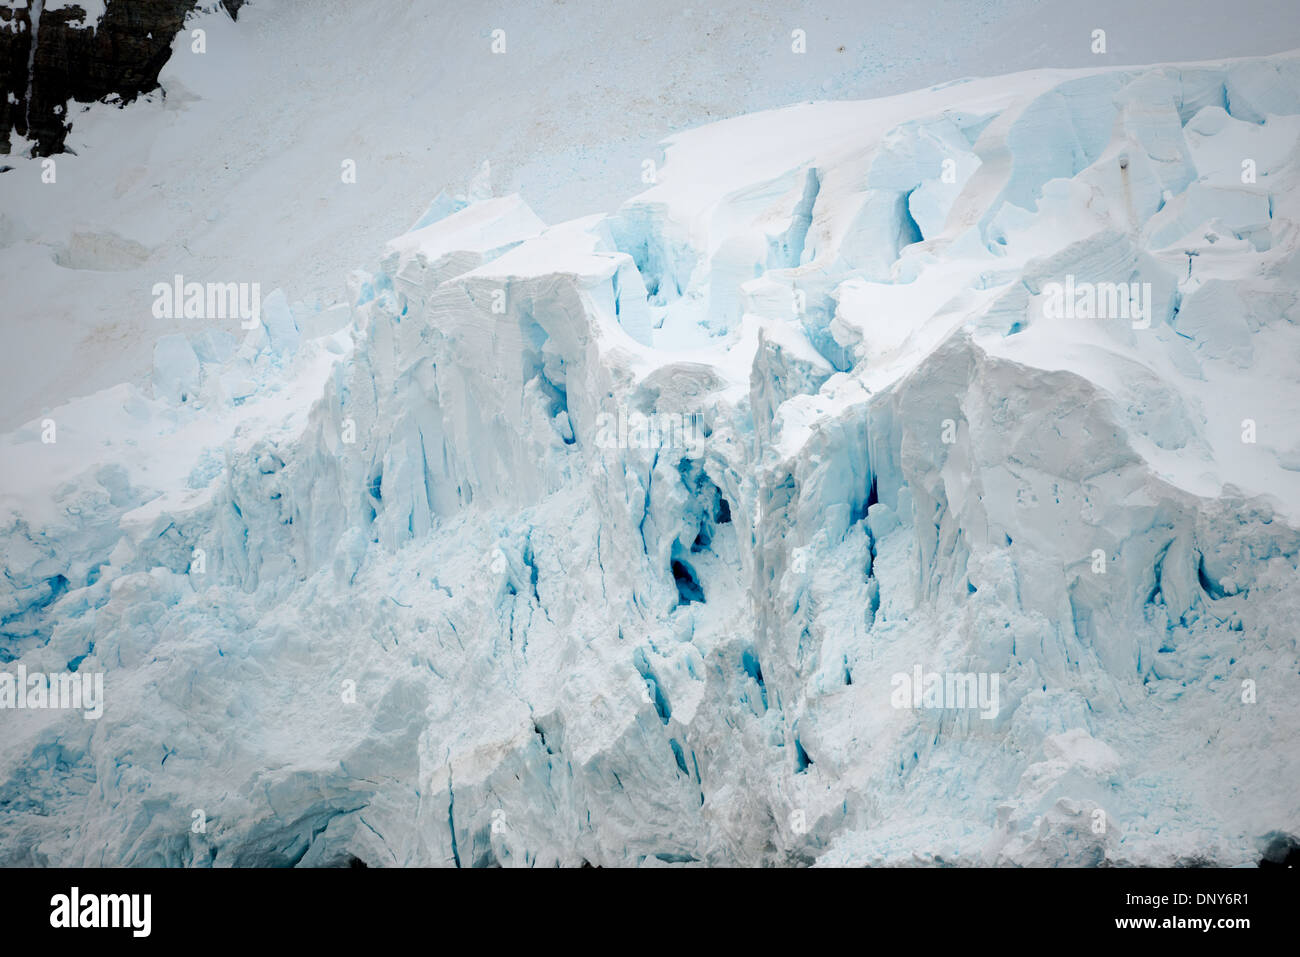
column 78, row 61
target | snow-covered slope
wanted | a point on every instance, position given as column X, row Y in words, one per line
column 610, row 541
column 232, row 170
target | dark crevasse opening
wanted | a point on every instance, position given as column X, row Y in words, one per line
column 653, row 686
column 707, row 511
column 749, row 662
column 1208, row 584
column 530, row 561
column 801, row 759
column 688, row 582
column 75, row 663
column 680, row 756
column 908, row 230
column 858, row 514
column 28, row 623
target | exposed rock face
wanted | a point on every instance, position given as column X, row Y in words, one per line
column 79, row 59
column 15, row 41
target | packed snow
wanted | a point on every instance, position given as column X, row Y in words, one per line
column 231, row 170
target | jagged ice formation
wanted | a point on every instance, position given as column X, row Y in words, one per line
column 567, row 649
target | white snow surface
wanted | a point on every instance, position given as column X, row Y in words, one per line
column 908, row 462
column 230, row 172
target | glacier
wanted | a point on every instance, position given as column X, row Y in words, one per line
column 372, row 582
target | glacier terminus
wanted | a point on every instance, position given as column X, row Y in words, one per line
column 910, row 480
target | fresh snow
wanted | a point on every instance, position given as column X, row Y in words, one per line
column 231, row 171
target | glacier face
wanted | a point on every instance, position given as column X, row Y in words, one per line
column 606, row 542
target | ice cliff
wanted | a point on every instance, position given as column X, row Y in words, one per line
column 411, row 581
